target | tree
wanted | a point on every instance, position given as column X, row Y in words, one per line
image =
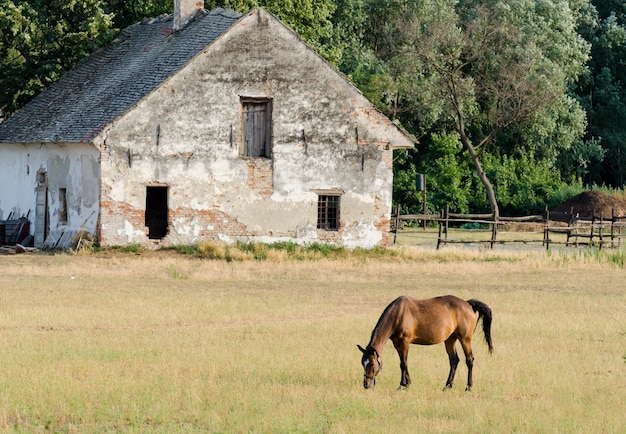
column 602, row 91
column 41, row 39
column 127, row 12
column 310, row 19
column 494, row 66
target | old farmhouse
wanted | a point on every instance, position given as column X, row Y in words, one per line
column 201, row 126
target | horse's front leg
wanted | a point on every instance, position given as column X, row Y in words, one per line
column 402, row 347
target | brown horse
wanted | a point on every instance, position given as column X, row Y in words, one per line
column 409, row 321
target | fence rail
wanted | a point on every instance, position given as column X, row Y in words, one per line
column 555, row 228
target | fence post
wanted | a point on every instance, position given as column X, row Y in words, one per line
column 440, row 228
column 395, row 232
column 546, row 232
column 494, row 230
column 619, row 229
column 569, row 227
column 612, row 227
column 593, row 219
column 601, row 229
column 447, row 222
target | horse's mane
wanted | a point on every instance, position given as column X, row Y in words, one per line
column 383, row 319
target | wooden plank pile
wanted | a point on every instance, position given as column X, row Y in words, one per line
column 18, row 248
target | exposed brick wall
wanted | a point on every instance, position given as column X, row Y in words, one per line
column 260, row 176
column 330, row 236
column 214, row 221
column 384, row 227
column 115, row 213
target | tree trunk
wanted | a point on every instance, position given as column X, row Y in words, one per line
column 481, row 175
column 467, row 143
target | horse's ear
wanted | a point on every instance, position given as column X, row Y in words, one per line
column 361, row 348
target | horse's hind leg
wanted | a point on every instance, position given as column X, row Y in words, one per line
column 466, row 343
column 454, row 360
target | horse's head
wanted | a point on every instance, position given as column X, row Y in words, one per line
column 372, row 365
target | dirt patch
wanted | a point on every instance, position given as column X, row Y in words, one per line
column 591, row 203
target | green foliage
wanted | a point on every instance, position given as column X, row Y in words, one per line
column 241, row 251
column 602, row 91
column 448, row 174
column 495, row 72
column 582, row 160
column 524, row 185
column 512, row 96
column 130, row 248
column 540, row 85
column 325, row 249
column 311, row 19
column 185, row 249
column 127, row 12
column 404, row 192
column 290, row 248
column 41, row 40
column 565, row 192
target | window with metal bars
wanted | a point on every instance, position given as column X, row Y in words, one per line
column 328, row 212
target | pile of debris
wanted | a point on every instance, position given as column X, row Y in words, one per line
column 593, row 203
column 14, row 236
column 18, row 248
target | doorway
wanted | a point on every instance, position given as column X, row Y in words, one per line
column 156, row 212
column 41, row 209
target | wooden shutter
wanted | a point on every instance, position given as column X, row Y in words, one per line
column 257, row 124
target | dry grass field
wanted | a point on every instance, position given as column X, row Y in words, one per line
column 162, row 342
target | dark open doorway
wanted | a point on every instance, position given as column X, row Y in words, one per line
column 156, row 212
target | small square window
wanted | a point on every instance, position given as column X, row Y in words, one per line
column 328, row 212
column 257, row 128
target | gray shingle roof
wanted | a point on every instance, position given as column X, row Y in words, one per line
column 112, row 80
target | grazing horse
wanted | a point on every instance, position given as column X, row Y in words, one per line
column 409, row 321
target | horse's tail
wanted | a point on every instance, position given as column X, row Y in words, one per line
column 484, row 312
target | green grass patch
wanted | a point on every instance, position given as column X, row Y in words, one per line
column 288, row 251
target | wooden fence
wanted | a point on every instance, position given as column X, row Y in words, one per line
column 555, row 228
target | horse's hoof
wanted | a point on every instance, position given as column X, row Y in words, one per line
column 468, row 389
column 447, row 387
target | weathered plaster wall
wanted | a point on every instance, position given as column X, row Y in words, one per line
column 187, row 136
column 74, row 167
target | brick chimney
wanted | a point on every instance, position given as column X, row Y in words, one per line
column 184, row 10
